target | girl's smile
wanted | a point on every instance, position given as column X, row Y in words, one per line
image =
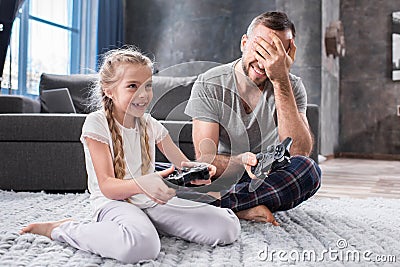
column 140, row 105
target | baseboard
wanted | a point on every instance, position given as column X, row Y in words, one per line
column 367, row 156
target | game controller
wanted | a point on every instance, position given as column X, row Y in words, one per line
column 187, row 175
column 276, row 157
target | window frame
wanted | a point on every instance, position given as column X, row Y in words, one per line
column 74, row 48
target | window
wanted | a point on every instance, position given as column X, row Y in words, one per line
column 45, row 38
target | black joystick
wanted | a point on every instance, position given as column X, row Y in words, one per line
column 276, row 157
column 187, row 175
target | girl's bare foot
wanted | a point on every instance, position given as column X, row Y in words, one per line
column 43, row 228
column 258, row 214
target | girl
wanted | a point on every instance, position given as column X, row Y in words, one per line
column 131, row 202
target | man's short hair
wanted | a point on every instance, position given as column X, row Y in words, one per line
column 274, row 20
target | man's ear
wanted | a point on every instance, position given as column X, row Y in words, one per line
column 243, row 42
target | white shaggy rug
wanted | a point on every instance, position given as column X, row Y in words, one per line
column 323, row 232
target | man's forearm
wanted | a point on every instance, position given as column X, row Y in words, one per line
column 297, row 129
column 290, row 122
column 226, row 164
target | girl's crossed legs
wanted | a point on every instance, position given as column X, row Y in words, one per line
column 197, row 222
column 128, row 234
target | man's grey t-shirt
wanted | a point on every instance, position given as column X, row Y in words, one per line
column 215, row 98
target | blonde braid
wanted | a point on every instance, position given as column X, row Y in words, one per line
column 119, row 158
column 144, row 145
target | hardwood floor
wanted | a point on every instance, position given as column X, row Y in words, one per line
column 359, row 178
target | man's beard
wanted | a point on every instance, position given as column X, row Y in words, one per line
column 246, row 72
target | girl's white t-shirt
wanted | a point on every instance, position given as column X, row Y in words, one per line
column 96, row 127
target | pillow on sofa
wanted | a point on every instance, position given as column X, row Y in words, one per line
column 77, row 84
column 170, row 96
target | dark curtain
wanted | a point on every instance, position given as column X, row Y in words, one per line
column 110, row 26
column 8, row 11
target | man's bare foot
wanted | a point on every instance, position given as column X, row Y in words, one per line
column 258, row 214
column 43, row 228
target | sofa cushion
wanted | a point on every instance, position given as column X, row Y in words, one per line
column 170, row 96
column 77, row 84
column 18, row 104
column 39, row 127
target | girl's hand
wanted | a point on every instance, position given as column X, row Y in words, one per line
column 211, row 169
column 153, row 186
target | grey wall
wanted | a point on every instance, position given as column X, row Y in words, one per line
column 178, row 31
column 368, row 96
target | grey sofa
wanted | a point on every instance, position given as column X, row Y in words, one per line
column 41, row 151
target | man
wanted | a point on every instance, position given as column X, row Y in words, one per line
column 240, row 108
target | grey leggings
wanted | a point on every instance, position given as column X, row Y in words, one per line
column 129, row 234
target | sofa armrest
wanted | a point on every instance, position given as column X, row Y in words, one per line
column 181, row 134
column 18, row 104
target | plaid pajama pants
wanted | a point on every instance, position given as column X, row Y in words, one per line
column 281, row 190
